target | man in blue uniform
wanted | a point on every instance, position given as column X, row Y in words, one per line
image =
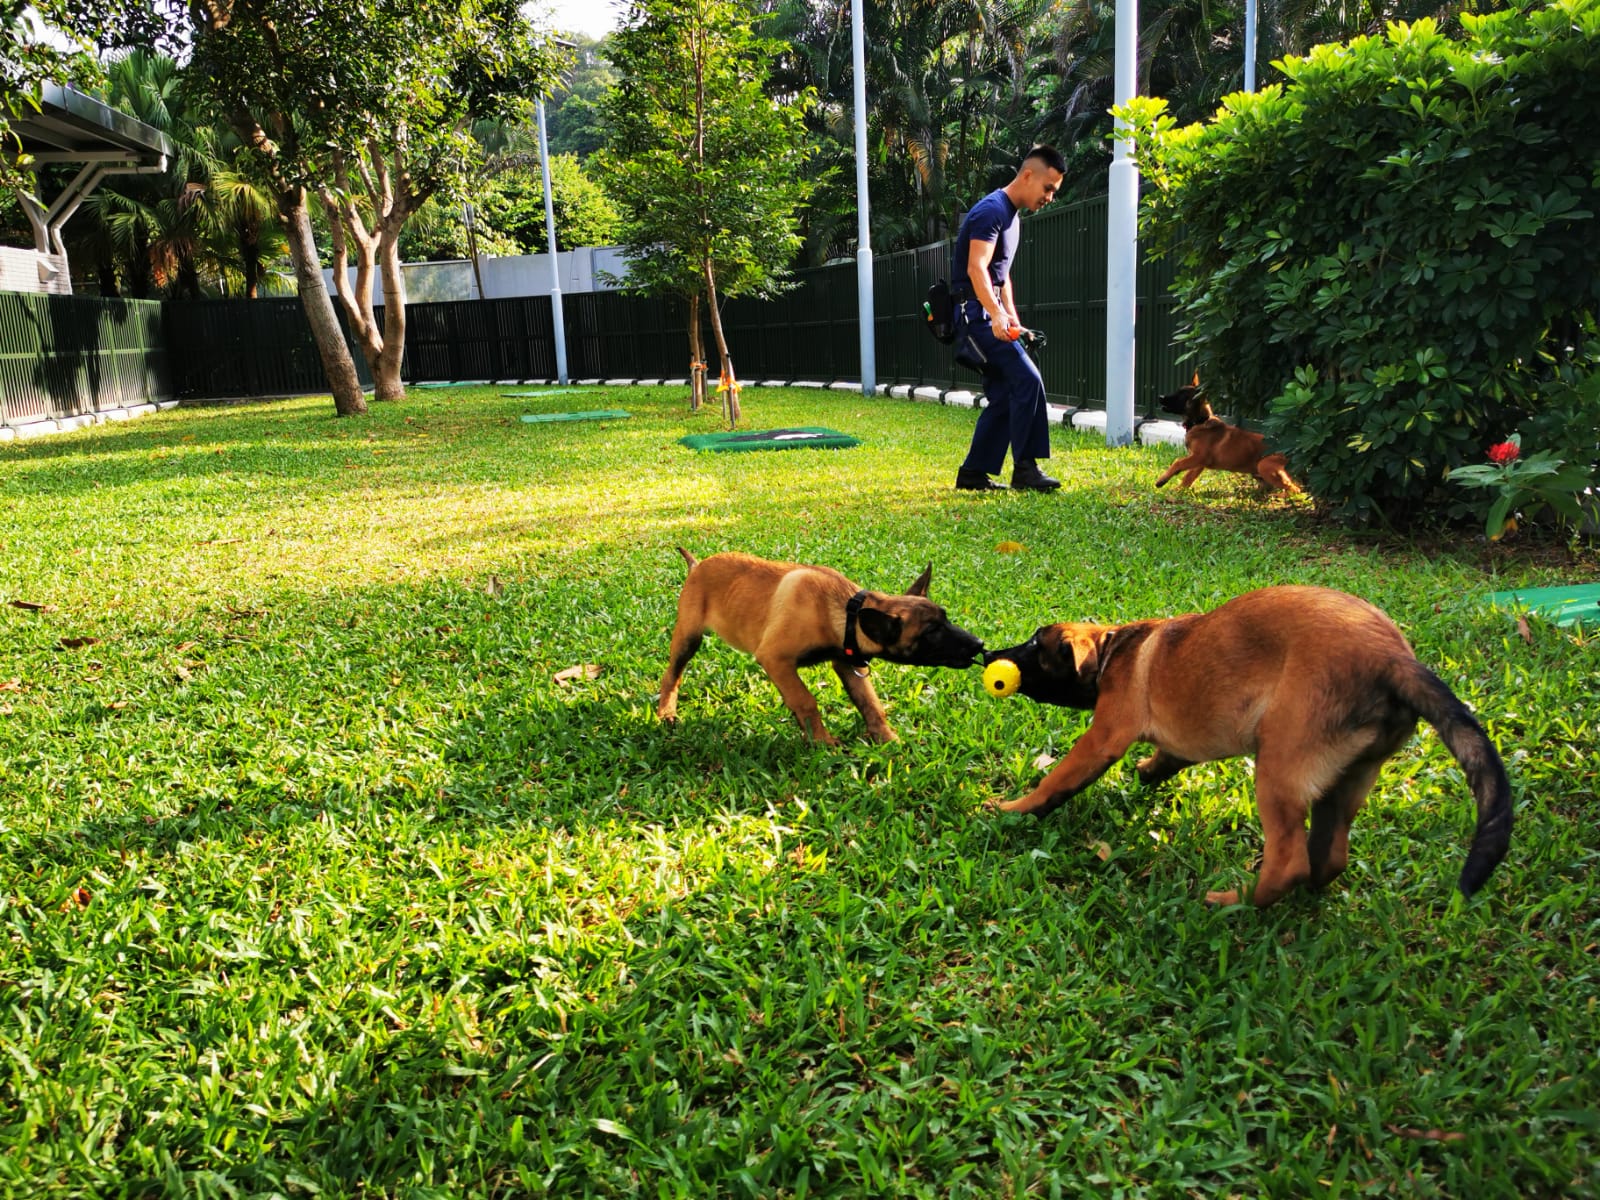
column 988, row 329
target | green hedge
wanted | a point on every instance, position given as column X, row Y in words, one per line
column 1392, row 259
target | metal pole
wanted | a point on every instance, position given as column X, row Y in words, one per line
column 869, row 347
column 472, row 248
column 1122, row 242
column 557, row 318
column 1249, row 45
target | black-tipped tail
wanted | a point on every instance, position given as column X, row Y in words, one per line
column 1486, row 774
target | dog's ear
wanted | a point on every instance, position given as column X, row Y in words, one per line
column 879, row 626
column 1075, row 650
column 1085, row 645
column 920, row 587
column 1195, row 382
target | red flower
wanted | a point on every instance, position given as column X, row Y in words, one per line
column 1505, row 452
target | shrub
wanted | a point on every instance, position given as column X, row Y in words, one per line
column 1391, row 259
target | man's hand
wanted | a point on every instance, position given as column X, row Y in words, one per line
column 1005, row 327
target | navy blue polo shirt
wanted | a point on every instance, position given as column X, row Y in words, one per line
column 992, row 219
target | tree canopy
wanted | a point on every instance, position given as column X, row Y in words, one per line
column 707, row 167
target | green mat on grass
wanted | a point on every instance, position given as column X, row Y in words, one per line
column 808, row 437
column 1562, row 605
column 599, row 414
column 543, row 392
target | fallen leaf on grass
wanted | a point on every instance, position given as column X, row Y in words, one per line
column 1044, row 762
column 33, row 606
column 182, row 673
column 184, row 647
column 245, row 612
column 14, row 684
column 494, row 587
column 1101, row 850
column 218, row 541
column 77, row 643
column 1522, row 628
column 1009, row 548
column 5, row 709
column 581, row 671
column 1427, row 1135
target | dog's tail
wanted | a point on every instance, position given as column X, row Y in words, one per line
column 688, row 558
column 1424, row 691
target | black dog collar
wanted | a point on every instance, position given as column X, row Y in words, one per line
column 852, row 648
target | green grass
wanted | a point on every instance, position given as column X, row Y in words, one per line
column 316, row 882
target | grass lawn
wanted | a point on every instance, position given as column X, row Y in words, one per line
column 315, row 880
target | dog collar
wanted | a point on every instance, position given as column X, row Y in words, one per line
column 852, row 648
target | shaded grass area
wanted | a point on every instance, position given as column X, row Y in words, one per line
column 316, row 881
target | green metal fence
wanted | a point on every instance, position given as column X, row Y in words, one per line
column 221, row 349
column 68, row 356
column 65, row 355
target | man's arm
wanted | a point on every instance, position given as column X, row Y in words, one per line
column 1001, row 312
column 1008, row 297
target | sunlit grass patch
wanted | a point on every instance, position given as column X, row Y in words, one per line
column 317, row 877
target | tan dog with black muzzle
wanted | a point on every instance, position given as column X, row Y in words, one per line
column 1319, row 685
column 791, row 616
column 1212, row 443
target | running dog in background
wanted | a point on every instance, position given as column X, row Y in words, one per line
column 1212, row 442
column 791, row 616
column 1319, row 685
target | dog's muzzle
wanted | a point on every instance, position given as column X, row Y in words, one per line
column 953, row 647
column 1039, row 684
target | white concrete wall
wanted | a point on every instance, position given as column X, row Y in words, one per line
column 29, row 271
column 581, row 270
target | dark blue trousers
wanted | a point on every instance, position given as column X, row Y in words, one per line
column 1016, row 415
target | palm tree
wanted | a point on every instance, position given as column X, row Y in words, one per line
column 203, row 225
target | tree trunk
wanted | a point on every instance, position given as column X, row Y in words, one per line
column 357, row 301
column 106, row 271
column 729, row 386
column 139, row 265
column 248, row 230
column 337, row 364
column 697, row 358
column 386, row 381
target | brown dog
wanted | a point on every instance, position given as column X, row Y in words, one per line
column 792, row 616
column 1212, row 442
column 1319, row 685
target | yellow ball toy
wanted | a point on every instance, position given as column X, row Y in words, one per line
column 1001, row 677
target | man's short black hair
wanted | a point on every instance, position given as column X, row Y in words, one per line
column 1048, row 155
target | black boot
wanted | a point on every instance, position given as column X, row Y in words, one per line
column 976, row 481
column 1026, row 476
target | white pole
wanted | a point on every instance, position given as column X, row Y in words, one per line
column 1249, row 45
column 1122, row 242
column 869, row 346
column 557, row 319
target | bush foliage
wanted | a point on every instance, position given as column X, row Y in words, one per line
column 1392, row 259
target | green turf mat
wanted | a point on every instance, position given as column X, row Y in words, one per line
column 599, row 414
column 1563, row 605
column 543, row 392
column 807, row 437
column 447, row 383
